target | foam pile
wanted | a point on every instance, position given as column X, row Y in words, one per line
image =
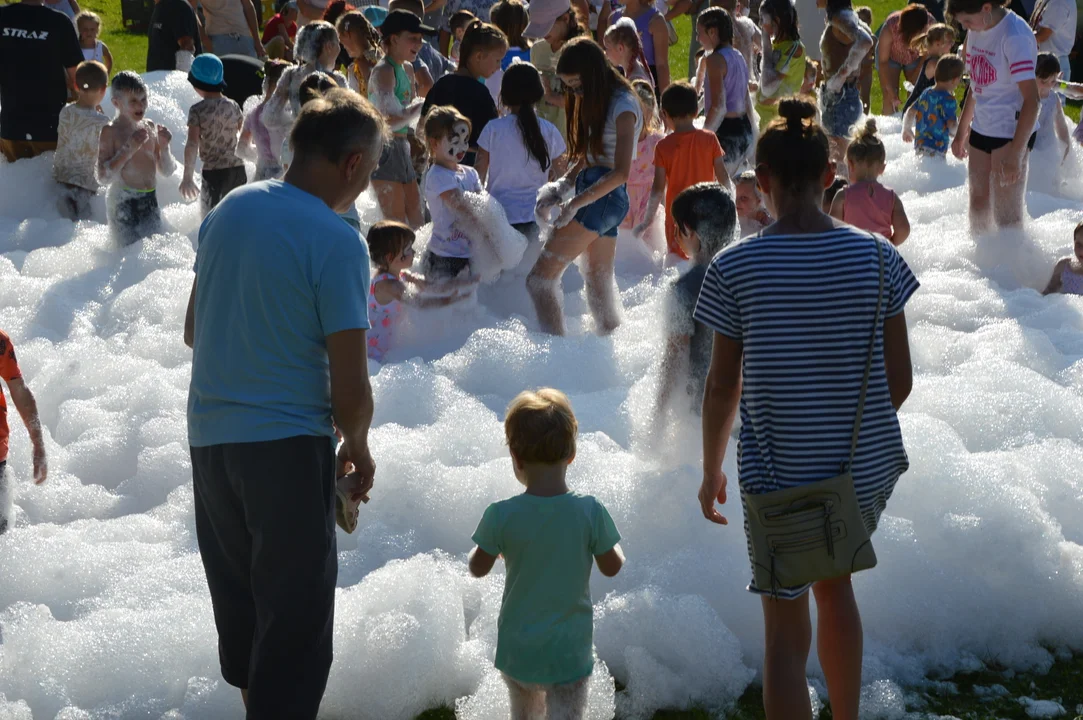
column 104, row 610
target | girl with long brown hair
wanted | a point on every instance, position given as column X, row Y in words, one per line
column 604, row 122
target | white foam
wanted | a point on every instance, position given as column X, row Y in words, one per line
column 103, row 606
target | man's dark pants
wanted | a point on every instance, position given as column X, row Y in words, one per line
column 265, row 522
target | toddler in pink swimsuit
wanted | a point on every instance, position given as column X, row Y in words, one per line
column 641, row 175
column 391, row 247
column 865, row 203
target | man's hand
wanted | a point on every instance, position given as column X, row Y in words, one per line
column 356, row 473
column 41, row 465
column 712, row 489
column 261, row 53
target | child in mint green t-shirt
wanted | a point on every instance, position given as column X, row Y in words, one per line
column 550, row 539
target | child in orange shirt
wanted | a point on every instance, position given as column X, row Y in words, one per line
column 24, row 402
column 685, row 157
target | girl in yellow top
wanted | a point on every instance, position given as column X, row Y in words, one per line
column 784, row 59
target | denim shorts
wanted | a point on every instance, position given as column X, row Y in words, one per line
column 841, row 110
column 605, row 214
column 234, row 44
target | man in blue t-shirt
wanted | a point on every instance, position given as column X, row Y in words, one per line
column 277, row 322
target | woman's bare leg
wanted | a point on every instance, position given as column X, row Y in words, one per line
column 1009, row 201
column 602, row 297
column 392, row 199
column 543, row 282
column 979, row 169
column 788, row 636
column 839, row 643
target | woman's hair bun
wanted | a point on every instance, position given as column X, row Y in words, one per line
column 796, row 110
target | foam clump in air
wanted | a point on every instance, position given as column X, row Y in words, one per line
column 104, row 610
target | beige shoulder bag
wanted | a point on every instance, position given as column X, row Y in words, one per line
column 814, row 532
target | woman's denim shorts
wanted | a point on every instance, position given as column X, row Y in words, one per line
column 842, row 110
column 605, row 214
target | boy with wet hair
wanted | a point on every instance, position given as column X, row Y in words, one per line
column 132, row 152
column 705, row 217
column 214, row 126
column 78, row 133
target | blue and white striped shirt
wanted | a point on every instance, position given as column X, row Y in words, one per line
column 803, row 308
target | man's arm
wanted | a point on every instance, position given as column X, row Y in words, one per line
column 253, row 27
column 481, row 562
column 351, row 403
column 190, row 318
column 24, row 402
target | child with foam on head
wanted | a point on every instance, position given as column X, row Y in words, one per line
column 131, row 153
column 214, row 127
column 625, row 50
column 550, row 539
column 259, row 142
column 706, row 220
column 1068, row 272
column 520, row 152
column 393, row 90
column 483, row 50
column 725, row 87
column 936, row 42
column 316, row 50
column 391, row 247
column 865, row 203
column 931, row 121
column 688, row 155
column 641, row 177
column 78, row 133
column 89, row 26
column 751, row 213
column 455, row 221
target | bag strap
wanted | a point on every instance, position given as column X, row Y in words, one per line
column 868, row 360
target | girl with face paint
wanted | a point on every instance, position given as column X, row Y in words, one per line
column 455, row 223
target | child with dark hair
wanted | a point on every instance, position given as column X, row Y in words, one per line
column 80, row 127
column 131, row 153
column 483, row 49
column 520, row 152
column 688, row 155
column 706, row 220
column 725, row 87
column 931, row 121
column 391, row 247
column 1068, row 272
column 512, row 18
column 458, row 23
column 214, row 127
column 830, row 192
column 865, row 203
column 1052, row 127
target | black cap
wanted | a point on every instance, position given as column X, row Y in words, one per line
column 399, row 21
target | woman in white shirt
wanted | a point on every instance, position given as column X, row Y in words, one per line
column 1000, row 116
column 604, row 121
column 1054, row 23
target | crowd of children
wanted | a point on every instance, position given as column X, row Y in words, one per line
column 596, row 136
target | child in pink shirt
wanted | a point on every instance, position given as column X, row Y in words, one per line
column 865, row 203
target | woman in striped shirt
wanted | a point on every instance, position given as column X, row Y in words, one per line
column 791, row 309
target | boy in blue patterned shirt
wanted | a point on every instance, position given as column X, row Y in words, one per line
column 931, row 121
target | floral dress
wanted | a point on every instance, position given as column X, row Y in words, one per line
column 640, row 180
column 383, row 319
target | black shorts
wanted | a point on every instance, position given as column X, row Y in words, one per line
column 440, row 267
column 218, row 183
column 4, row 498
column 735, row 136
column 265, row 522
column 986, row 144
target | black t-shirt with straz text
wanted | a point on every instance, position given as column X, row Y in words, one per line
column 170, row 21
column 37, row 45
column 469, row 97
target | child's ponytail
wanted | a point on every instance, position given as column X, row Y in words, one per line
column 866, row 147
column 933, row 34
column 522, row 88
column 624, row 32
column 480, row 37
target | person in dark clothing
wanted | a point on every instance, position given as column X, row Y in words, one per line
column 39, row 51
column 243, row 77
column 482, row 49
column 706, row 219
column 173, row 38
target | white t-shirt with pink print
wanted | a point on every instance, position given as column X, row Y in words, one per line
column 997, row 60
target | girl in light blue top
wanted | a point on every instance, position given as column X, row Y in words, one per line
column 550, row 539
